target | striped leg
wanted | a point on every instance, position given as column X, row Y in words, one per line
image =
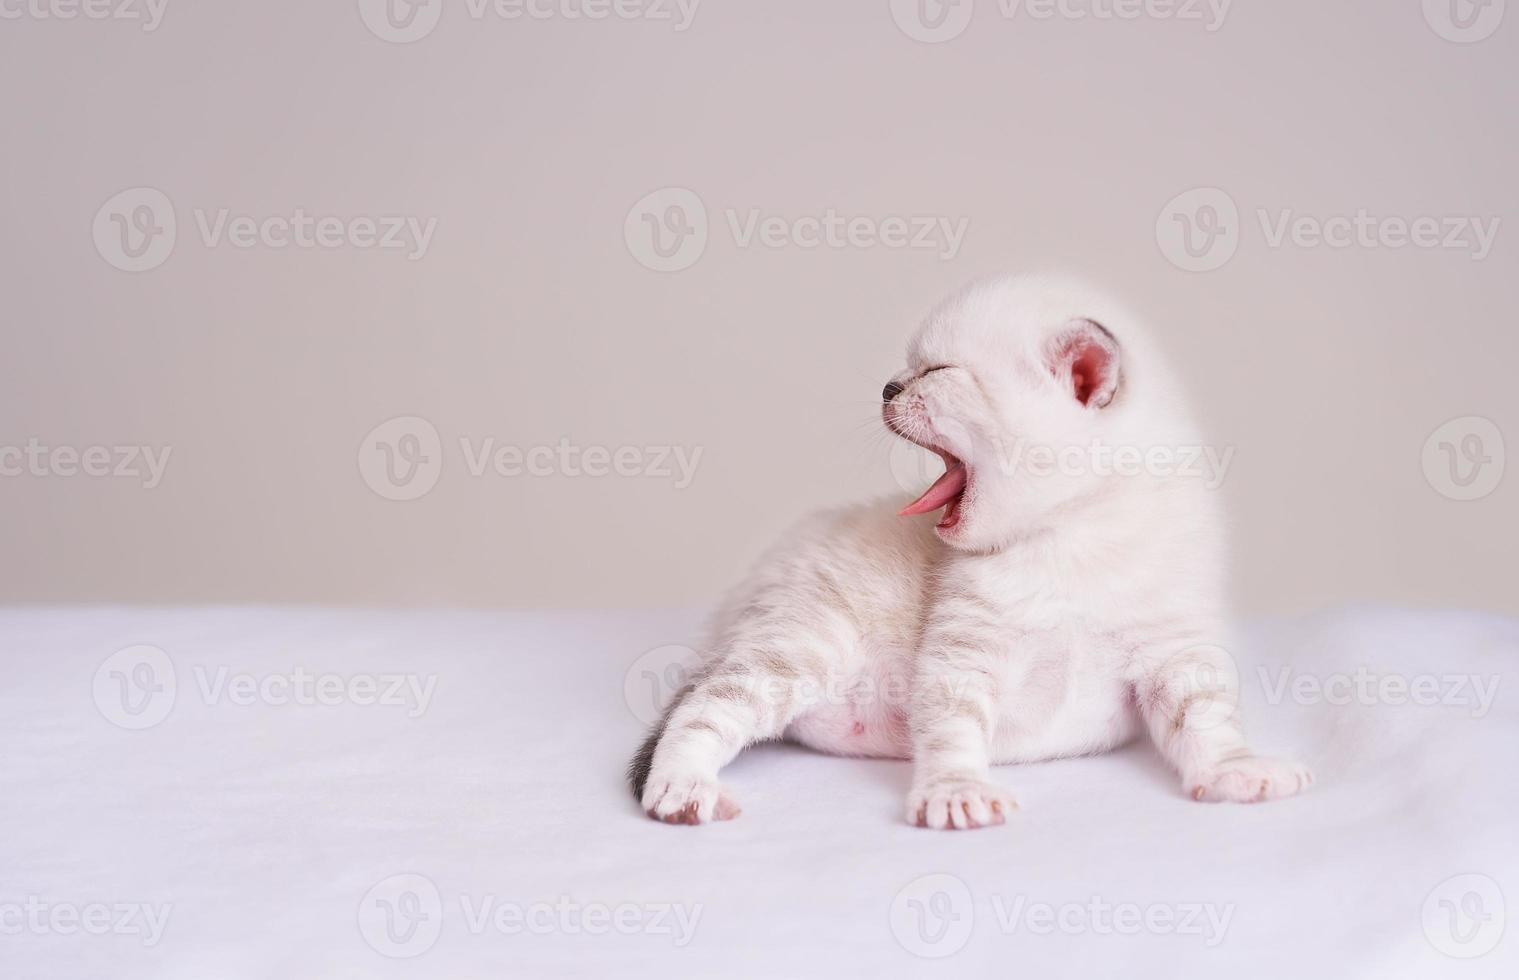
column 1189, row 698
column 746, row 698
column 952, row 725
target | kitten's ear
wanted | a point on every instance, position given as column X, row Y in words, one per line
column 1084, row 359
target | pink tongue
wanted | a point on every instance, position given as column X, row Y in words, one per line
column 945, row 488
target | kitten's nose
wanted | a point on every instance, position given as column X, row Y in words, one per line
column 891, row 391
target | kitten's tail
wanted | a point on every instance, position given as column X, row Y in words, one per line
column 643, row 759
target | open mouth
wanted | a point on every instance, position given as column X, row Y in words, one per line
column 948, row 490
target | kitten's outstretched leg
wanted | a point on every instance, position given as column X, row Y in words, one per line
column 742, row 699
column 952, row 725
column 642, row 762
column 1190, row 703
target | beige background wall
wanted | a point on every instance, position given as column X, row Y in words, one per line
column 530, row 318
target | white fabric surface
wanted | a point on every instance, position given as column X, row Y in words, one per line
column 265, row 826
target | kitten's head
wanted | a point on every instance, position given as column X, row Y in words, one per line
column 1013, row 382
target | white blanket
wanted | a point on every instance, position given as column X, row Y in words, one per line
column 458, row 810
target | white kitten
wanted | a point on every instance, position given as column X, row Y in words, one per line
column 1069, row 595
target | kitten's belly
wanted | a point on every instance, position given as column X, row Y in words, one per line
column 1063, row 694
column 1102, row 716
column 864, row 713
column 1059, row 706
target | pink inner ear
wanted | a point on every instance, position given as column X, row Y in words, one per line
column 1088, row 355
column 1090, row 369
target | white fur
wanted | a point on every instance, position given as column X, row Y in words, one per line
column 1064, row 613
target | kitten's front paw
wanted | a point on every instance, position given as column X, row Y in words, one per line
column 1251, row 779
column 687, row 799
column 958, row 804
